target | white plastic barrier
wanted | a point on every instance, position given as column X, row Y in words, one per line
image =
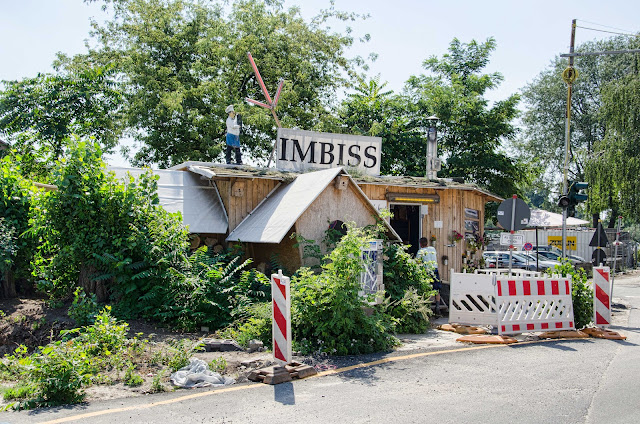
column 601, row 296
column 472, row 299
column 534, row 305
column 505, row 271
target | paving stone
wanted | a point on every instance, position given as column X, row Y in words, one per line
column 601, row 333
column 566, row 334
column 487, row 339
column 215, row 345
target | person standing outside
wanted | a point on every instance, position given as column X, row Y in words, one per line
column 233, row 135
column 429, row 257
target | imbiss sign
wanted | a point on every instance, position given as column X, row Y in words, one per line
column 299, row 150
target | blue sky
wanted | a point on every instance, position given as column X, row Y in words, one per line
column 403, row 33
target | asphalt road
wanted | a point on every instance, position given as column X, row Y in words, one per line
column 568, row 381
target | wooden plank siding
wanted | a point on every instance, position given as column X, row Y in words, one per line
column 450, row 210
column 238, row 207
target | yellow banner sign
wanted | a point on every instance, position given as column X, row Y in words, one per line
column 557, row 242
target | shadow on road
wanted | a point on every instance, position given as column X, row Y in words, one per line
column 284, row 393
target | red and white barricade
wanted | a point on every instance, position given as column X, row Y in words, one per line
column 281, row 338
column 534, row 305
column 601, row 296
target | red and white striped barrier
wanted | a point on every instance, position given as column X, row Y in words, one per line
column 601, row 296
column 534, row 305
column 281, row 318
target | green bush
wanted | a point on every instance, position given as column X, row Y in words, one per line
column 256, row 326
column 83, row 309
column 328, row 315
column 581, row 292
column 408, row 288
column 57, row 373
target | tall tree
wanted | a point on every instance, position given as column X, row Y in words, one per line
column 471, row 131
column 42, row 112
column 184, row 61
column 614, row 166
column 543, row 140
column 373, row 111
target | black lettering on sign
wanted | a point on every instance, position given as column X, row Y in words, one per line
column 341, row 154
column 311, row 151
column 283, row 148
column 324, row 153
column 370, row 156
column 354, row 155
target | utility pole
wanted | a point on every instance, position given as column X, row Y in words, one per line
column 569, row 76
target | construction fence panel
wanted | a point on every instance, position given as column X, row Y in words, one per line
column 526, row 305
column 472, row 299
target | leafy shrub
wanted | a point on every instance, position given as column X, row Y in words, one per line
column 83, row 309
column 581, row 292
column 412, row 312
column 182, row 351
column 20, row 392
column 58, row 372
column 408, row 288
column 218, row 365
column 8, row 248
column 328, row 315
column 132, row 379
column 55, row 376
column 256, row 326
column 211, row 290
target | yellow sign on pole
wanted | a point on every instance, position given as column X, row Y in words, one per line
column 557, row 242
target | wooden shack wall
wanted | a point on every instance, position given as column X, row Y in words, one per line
column 450, row 210
column 346, row 205
column 285, row 254
column 238, row 207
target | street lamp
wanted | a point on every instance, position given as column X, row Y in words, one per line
column 433, row 163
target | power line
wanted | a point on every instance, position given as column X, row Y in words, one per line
column 606, row 26
column 609, row 32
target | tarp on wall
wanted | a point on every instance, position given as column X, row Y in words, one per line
column 179, row 191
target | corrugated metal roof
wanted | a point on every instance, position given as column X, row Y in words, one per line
column 272, row 220
column 198, row 202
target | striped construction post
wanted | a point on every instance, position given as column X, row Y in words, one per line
column 601, row 296
column 534, row 305
column 281, row 318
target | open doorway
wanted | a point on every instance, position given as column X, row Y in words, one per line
column 406, row 222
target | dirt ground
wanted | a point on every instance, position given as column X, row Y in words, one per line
column 30, row 321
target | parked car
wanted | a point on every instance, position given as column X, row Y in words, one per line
column 542, row 262
column 500, row 259
column 556, row 256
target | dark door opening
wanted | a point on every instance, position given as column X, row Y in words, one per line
column 406, row 222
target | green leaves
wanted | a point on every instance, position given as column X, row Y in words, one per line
column 43, row 112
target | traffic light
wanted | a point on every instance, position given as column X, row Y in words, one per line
column 574, row 197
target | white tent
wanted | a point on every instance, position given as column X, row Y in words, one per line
column 542, row 218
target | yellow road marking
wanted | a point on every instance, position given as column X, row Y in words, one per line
column 253, row 386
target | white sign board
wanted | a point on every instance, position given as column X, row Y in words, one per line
column 298, row 150
column 508, row 239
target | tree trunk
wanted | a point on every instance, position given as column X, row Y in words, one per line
column 91, row 286
column 8, row 285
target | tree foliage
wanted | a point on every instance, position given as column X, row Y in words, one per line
column 41, row 113
column 614, row 166
column 471, row 132
column 542, row 144
column 372, row 111
column 183, row 61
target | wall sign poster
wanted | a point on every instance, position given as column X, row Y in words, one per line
column 298, row 150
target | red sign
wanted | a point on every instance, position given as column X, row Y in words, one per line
column 527, row 246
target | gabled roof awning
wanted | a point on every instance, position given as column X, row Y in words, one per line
column 272, row 219
column 198, row 202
